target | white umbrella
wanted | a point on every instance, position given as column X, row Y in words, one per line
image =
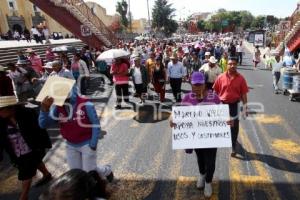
column 64, row 48
column 112, row 54
column 139, row 38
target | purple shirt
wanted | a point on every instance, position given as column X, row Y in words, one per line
column 190, row 99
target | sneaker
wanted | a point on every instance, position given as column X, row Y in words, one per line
column 233, row 153
column 207, row 190
column 43, row 180
column 110, row 177
column 200, row 181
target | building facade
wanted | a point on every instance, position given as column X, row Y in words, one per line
column 101, row 13
column 21, row 14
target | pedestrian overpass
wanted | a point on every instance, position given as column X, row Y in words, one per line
column 79, row 19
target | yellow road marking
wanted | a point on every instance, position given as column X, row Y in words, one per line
column 287, row 146
column 270, row 188
column 278, row 153
column 186, row 189
column 131, row 187
column 236, row 179
column 269, row 119
column 10, row 184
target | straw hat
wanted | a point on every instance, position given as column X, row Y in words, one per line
column 207, row 53
column 213, row 60
column 6, row 101
column 29, row 50
column 48, row 65
column 174, row 56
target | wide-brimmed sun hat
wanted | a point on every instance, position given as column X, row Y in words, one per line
column 6, row 101
column 174, row 56
column 213, row 60
column 207, row 53
column 29, row 50
column 48, row 65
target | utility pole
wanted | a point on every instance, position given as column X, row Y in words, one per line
column 148, row 15
column 130, row 17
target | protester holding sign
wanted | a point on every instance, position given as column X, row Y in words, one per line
column 80, row 126
column 232, row 87
column 206, row 157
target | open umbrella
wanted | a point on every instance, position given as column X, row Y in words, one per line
column 64, row 48
column 112, row 54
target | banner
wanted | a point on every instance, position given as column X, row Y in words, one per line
column 203, row 126
column 259, row 39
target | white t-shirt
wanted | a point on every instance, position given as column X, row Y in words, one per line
column 239, row 48
column 46, row 32
column 137, row 75
column 34, row 31
column 277, row 66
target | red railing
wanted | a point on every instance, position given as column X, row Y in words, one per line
column 83, row 8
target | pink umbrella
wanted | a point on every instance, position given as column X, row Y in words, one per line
column 198, row 46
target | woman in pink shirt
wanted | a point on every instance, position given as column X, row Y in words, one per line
column 36, row 61
column 119, row 71
column 50, row 56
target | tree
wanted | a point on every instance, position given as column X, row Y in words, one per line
column 116, row 26
column 246, row 19
column 121, row 8
column 162, row 15
column 201, row 25
column 259, row 22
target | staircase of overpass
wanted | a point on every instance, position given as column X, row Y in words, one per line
column 292, row 38
column 75, row 15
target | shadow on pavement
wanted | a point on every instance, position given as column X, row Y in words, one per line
column 272, row 161
column 151, row 113
column 182, row 188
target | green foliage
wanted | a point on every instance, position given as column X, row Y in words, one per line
column 121, row 8
column 162, row 14
column 259, row 22
column 236, row 19
column 201, row 25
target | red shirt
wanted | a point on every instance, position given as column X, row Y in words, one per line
column 230, row 90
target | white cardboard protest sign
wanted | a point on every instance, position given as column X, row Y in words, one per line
column 202, row 126
column 56, row 87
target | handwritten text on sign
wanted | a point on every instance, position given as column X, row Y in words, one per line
column 201, row 126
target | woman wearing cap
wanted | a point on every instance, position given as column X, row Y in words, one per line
column 24, row 141
column 139, row 77
column 159, row 78
column 206, row 158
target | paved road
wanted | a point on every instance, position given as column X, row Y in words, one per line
column 138, row 146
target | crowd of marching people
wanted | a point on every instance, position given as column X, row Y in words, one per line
column 209, row 65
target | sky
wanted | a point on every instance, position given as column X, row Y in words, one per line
column 184, row 8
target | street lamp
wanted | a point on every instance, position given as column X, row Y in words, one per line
column 148, row 16
column 130, row 17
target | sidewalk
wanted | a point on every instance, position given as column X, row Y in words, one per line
column 24, row 43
